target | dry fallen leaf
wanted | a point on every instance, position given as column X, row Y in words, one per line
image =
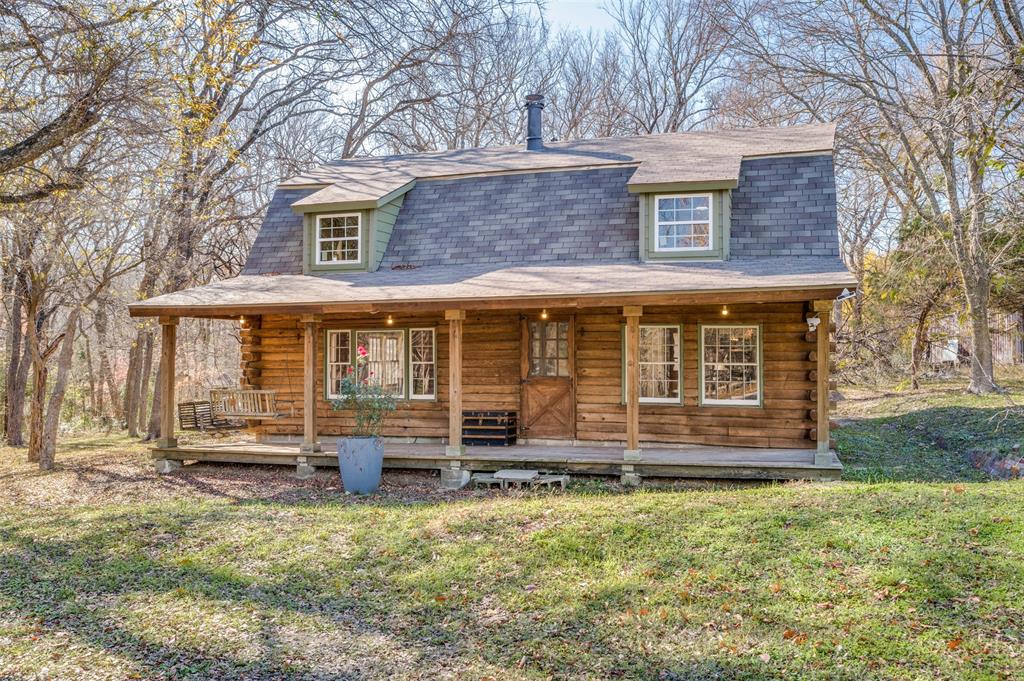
column 954, row 644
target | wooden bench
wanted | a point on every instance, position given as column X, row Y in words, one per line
column 199, row 415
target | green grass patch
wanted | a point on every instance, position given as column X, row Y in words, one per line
column 910, row 568
column 818, row 581
column 926, row 434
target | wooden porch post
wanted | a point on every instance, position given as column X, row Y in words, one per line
column 823, row 455
column 632, row 314
column 168, row 346
column 455, row 319
column 309, row 435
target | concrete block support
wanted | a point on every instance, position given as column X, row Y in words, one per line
column 303, row 471
column 165, row 466
column 454, row 478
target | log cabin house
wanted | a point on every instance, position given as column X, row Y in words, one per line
column 655, row 305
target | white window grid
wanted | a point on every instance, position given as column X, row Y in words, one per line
column 385, row 364
column 735, row 362
column 680, row 228
column 339, row 239
column 422, row 364
column 658, row 362
column 339, row 359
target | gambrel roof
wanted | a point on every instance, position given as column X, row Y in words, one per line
column 506, row 224
column 711, row 157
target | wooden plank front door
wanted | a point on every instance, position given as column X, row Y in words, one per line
column 548, row 379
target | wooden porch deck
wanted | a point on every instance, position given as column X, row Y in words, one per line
column 674, row 462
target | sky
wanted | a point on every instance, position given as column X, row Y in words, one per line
column 581, row 14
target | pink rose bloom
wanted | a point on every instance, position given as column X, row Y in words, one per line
column 362, row 351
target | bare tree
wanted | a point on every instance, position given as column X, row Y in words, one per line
column 677, row 53
column 933, row 113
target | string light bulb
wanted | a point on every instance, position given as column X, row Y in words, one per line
column 391, row 320
column 544, row 313
column 725, row 310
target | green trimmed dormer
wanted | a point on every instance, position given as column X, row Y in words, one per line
column 685, row 219
column 347, row 236
column 684, row 225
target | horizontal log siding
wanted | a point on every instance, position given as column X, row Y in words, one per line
column 272, row 358
column 782, row 421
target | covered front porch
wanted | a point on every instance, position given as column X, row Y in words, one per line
column 685, row 461
column 567, row 372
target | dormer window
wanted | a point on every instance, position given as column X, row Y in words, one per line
column 683, row 223
column 338, row 239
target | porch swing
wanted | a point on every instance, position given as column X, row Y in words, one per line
column 229, row 408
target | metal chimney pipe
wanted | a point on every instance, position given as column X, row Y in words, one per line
column 534, row 138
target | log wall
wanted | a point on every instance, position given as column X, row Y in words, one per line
column 272, row 359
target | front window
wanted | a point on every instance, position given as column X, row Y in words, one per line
column 338, row 239
column 385, row 360
column 339, row 360
column 731, row 359
column 422, row 364
column 659, row 364
column 683, row 223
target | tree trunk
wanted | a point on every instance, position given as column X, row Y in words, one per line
column 131, row 387
column 17, row 378
column 35, row 420
column 920, row 343
column 106, row 374
column 145, row 372
column 51, row 421
column 982, row 376
column 91, row 377
column 153, row 429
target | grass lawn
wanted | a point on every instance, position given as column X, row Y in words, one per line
column 911, row 569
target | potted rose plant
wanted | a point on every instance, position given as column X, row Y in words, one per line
column 361, row 455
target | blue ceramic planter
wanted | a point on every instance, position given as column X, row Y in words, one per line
column 360, row 460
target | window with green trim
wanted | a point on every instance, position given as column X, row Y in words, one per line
column 660, row 363
column 338, row 361
column 339, row 239
column 730, row 365
column 422, row 364
column 682, row 222
column 384, row 360
column 402, row 373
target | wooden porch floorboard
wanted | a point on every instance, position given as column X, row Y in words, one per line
column 695, row 461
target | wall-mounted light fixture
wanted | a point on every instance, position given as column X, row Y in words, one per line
column 391, row 320
column 725, row 310
column 544, row 313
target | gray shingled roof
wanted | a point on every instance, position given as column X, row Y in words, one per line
column 277, row 248
column 706, row 156
column 489, row 282
column 573, row 216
